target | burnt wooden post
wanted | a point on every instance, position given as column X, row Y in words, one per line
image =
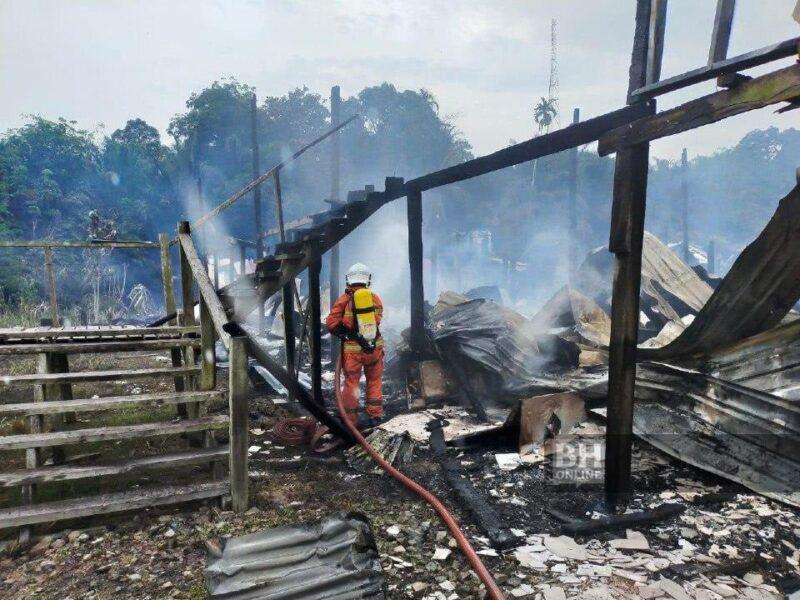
column 51, row 284
column 414, row 209
column 625, row 241
column 316, row 328
column 336, row 147
column 33, row 456
column 216, row 270
column 723, row 24
column 208, row 356
column 188, row 320
column 237, row 428
column 279, row 204
column 231, row 265
column 170, row 308
column 287, row 295
column 572, row 209
column 257, row 196
column 711, row 262
column 685, row 205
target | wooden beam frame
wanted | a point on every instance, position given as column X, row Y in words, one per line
column 316, row 330
column 259, row 180
column 723, row 25
column 122, row 245
column 238, row 424
column 414, row 209
column 655, row 39
column 287, row 297
column 572, row 202
column 625, row 241
column 779, row 86
column 544, row 145
column 762, row 56
column 334, row 267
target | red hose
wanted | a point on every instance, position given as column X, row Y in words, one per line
column 480, row 569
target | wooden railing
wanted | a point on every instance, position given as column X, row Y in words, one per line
column 49, row 262
column 214, row 324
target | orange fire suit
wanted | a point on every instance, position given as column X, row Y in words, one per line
column 354, row 358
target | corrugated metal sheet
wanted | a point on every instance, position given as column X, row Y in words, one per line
column 334, row 559
column 756, row 294
column 740, row 433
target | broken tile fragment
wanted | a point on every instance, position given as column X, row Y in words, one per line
column 554, row 593
column 441, row 554
column 565, row 547
column 673, row 589
column 635, row 540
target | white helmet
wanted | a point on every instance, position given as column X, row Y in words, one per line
column 358, row 273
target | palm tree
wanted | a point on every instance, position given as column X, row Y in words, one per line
column 544, row 113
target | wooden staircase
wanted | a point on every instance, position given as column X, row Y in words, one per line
column 52, row 427
column 277, row 271
column 306, row 245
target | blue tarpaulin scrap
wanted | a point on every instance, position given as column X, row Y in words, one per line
column 333, row 559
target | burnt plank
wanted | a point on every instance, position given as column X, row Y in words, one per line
column 762, row 56
column 780, row 86
column 544, row 145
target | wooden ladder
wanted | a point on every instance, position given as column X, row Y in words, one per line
column 52, row 425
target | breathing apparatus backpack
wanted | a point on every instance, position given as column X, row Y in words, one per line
column 365, row 319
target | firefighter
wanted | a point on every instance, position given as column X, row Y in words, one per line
column 356, row 317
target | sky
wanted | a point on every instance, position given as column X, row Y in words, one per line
column 102, row 62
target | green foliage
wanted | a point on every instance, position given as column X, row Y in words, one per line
column 52, row 174
column 732, row 193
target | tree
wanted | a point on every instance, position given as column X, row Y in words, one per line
column 544, row 113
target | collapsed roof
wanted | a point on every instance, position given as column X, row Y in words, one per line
column 726, row 400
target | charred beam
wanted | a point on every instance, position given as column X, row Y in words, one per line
column 316, row 330
column 762, row 56
column 333, row 264
column 627, row 234
column 776, row 87
column 414, row 204
column 544, row 145
column 723, row 24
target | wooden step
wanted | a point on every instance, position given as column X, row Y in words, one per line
column 88, row 347
column 289, row 256
column 110, row 503
column 92, row 332
column 71, row 473
column 86, row 376
column 101, row 434
column 107, row 403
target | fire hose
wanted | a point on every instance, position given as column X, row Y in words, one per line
column 301, row 431
column 493, row 590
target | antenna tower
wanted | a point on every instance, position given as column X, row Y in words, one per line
column 553, row 89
